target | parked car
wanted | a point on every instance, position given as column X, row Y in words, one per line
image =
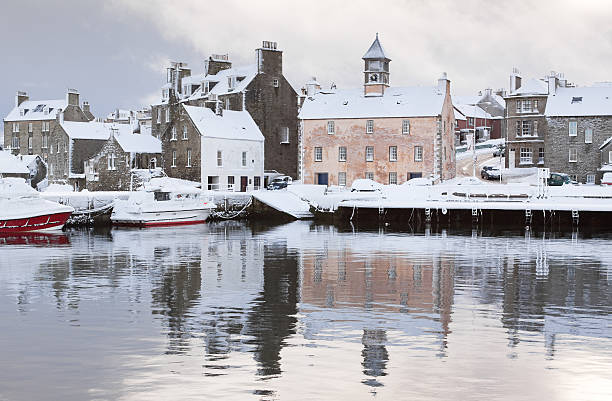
column 559, row 179
column 280, row 182
column 365, row 185
column 490, row 173
column 499, row 152
column 606, row 179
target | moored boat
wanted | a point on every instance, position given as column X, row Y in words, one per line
column 22, row 209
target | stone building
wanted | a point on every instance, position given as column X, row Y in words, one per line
column 261, row 89
column 29, row 124
column 579, row 124
column 484, row 114
column 388, row 134
column 112, row 167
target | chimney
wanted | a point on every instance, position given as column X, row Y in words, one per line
column 444, row 84
column 216, row 63
column 116, row 115
column 515, row 80
column 86, row 108
column 488, row 92
column 552, row 83
column 21, row 97
column 269, row 58
column 72, row 97
column 312, row 87
column 60, row 116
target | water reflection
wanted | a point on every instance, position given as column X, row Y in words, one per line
column 247, row 311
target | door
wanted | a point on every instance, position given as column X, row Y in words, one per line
column 322, row 178
column 512, row 160
column 243, row 183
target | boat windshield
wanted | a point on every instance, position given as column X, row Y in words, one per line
column 162, row 196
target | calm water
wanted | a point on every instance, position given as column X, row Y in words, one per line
column 300, row 311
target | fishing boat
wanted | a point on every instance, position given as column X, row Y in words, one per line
column 22, row 209
column 169, row 206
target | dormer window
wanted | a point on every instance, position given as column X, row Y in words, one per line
column 576, row 99
column 205, row 87
column 231, row 82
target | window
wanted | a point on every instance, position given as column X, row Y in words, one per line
column 342, row 154
column 610, row 157
column 525, row 156
column 527, row 105
column 29, row 127
column 29, row 141
column 168, row 115
column 318, row 154
column 219, row 158
column 369, row 153
column 185, row 132
column 535, row 105
column 526, row 128
column 574, row 177
column 65, row 147
column 369, row 126
column 470, row 121
column 45, row 141
column 573, row 128
column 275, row 83
column 50, row 168
column 244, row 159
column 284, row 135
column 369, row 175
column 15, row 127
column 418, row 153
column 392, row 153
column 406, row 127
column 519, row 125
column 173, row 158
column 227, row 103
column 590, row 179
column 518, row 106
column 588, row 135
column 57, row 147
column 188, row 158
column 392, row 178
column 535, row 128
column 230, row 182
column 15, row 143
column 205, row 87
column 173, row 134
column 331, row 127
column 256, row 182
column 231, row 83
column 159, row 111
column 342, row 179
column 573, row 155
column 541, row 156
column 110, row 158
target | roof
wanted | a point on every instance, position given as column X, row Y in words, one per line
column 473, row 111
column 532, row 87
column 605, row 143
column 88, row 130
column 418, row 101
column 245, row 73
column 231, row 125
column 458, row 115
column 375, row 51
column 36, row 110
column 123, row 115
column 138, row 143
column 581, row 101
column 10, row 164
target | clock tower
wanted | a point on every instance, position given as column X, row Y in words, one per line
column 376, row 70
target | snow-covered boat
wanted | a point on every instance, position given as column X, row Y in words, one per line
column 162, row 207
column 22, row 209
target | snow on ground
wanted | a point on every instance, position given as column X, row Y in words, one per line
column 59, row 188
column 284, row 201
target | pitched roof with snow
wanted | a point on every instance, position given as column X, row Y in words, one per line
column 88, row 130
column 230, row 125
column 138, row 143
column 10, row 164
column 581, row 101
column 244, row 75
column 473, row 111
column 375, row 51
column 532, row 87
column 426, row 101
column 36, row 110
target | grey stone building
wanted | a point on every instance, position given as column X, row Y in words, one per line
column 579, row 125
column 260, row 88
column 29, row 124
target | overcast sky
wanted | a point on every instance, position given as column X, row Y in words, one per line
column 114, row 52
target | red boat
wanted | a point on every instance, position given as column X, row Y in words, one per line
column 22, row 209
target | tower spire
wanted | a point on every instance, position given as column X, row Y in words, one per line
column 376, row 70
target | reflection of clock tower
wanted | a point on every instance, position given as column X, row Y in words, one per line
column 376, row 72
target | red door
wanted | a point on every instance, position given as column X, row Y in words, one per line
column 243, row 183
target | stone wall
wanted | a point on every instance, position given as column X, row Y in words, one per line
column 558, row 144
column 117, row 179
column 534, row 143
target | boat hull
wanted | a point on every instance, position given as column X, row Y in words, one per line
column 42, row 222
column 162, row 218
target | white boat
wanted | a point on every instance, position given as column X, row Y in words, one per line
column 163, row 207
column 22, row 209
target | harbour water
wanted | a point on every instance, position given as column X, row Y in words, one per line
column 303, row 311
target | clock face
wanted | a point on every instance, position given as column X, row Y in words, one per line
column 373, row 77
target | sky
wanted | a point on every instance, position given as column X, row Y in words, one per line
column 114, row 52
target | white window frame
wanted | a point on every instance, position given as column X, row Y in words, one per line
column 318, row 154
column 588, row 135
column 110, row 159
column 15, row 127
column 227, row 103
column 534, row 125
column 418, row 153
column 331, row 127
column 341, row 153
column 535, row 105
column 526, row 128
column 30, row 141
column 219, row 158
column 168, row 115
column 173, row 158
column 525, row 156
column 393, row 177
column 573, row 128
column 188, row 158
column 244, row 159
column 174, row 136
column 185, row 133
column 610, row 157
column 45, row 141
column 518, row 106
column 590, row 179
column 406, row 127
column 30, row 127
column 159, row 113
column 369, row 126
column 342, row 178
column 527, row 106
column 573, row 155
column 15, row 142
column 284, row 135
column 369, row 175
column 369, row 153
column 392, row 153
column 541, row 154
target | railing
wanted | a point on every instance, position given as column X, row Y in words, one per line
column 232, row 187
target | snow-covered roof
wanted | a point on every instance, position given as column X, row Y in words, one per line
column 605, row 143
column 500, row 100
column 10, row 164
column 244, row 75
column 458, row 115
column 231, row 125
column 138, row 143
column 89, row 130
column 532, row 86
column 418, row 101
column 123, row 115
column 36, row 110
column 375, row 51
column 194, row 79
column 581, row 101
column 473, row 111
